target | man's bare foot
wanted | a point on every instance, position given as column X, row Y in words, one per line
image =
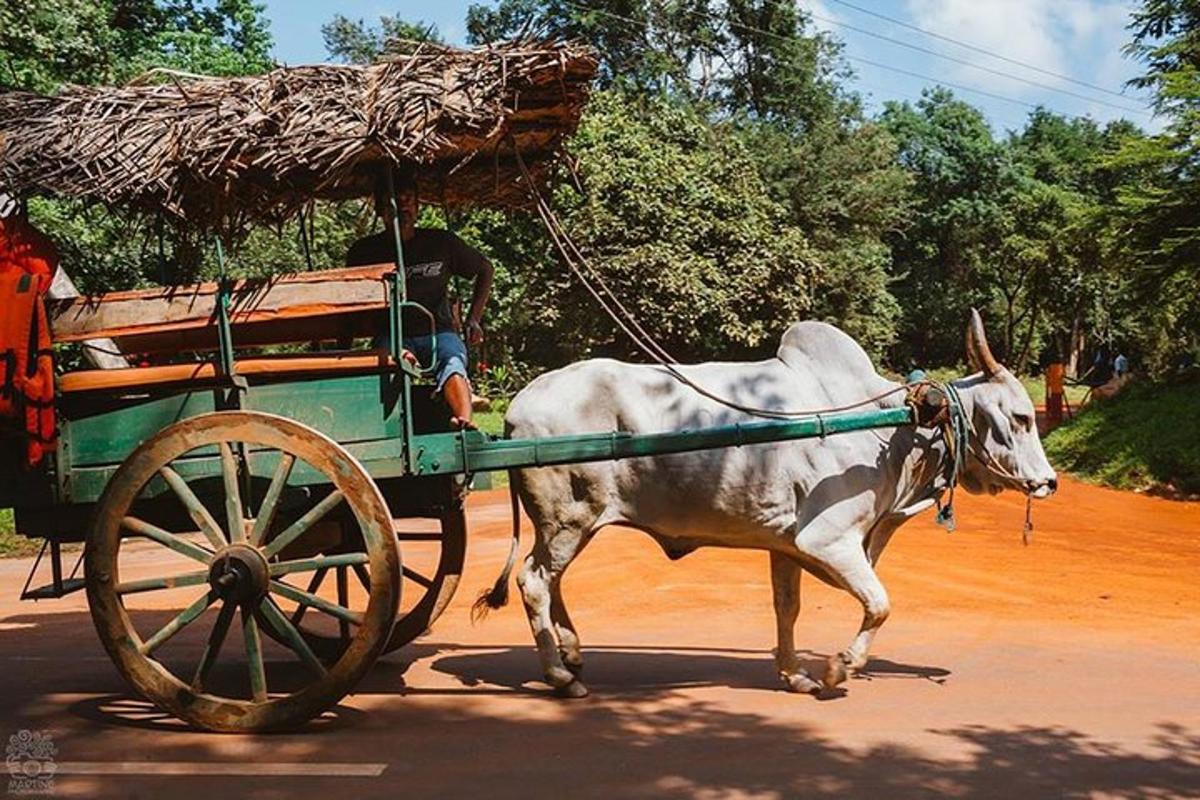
column 463, row 424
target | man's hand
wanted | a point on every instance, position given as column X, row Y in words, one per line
column 474, row 332
column 408, row 356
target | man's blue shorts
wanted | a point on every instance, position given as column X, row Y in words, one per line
column 451, row 354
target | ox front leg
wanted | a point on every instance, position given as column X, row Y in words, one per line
column 538, row 582
column 785, row 585
column 850, row 567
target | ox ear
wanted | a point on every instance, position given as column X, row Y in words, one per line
column 979, row 355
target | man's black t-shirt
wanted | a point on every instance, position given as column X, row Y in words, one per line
column 431, row 256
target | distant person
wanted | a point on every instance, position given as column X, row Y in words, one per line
column 1120, row 365
column 431, row 256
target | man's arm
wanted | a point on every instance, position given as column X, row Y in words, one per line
column 479, row 298
column 470, row 263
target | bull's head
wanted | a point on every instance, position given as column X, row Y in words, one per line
column 1005, row 451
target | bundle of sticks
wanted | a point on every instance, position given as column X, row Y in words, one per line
column 218, row 154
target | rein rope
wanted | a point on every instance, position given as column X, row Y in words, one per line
column 578, row 264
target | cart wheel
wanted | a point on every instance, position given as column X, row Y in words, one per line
column 431, row 577
column 433, row 565
column 252, row 470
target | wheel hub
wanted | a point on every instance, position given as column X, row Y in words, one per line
column 239, row 573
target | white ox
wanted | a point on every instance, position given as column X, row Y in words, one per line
column 826, row 506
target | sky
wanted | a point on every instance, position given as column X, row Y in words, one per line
column 1060, row 41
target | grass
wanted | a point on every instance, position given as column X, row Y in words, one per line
column 1147, row 437
column 11, row 544
column 490, row 422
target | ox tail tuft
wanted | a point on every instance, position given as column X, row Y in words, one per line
column 497, row 596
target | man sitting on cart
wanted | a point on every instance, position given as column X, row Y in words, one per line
column 431, row 256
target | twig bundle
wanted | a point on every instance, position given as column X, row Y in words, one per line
column 217, row 154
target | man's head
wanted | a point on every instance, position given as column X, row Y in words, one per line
column 1005, row 451
column 406, row 201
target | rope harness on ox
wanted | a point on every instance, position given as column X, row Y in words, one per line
column 960, row 437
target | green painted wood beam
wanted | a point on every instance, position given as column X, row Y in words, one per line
column 472, row 451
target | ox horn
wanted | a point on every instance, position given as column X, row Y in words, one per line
column 978, row 352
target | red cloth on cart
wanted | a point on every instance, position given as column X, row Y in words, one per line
column 28, row 260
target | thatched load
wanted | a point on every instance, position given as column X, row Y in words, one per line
column 220, row 153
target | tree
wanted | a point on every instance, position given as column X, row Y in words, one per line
column 961, row 179
column 675, row 219
column 1162, row 235
column 356, row 42
column 45, row 44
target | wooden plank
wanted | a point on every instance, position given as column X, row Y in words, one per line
column 335, row 303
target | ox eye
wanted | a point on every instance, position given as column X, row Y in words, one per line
column 1023, row 421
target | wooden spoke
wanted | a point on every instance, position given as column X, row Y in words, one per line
column 167, row 539
column 416, row 577
column 196, row 510
column 314, row 584
column 231, row 450
column 254, row 656
column 318, row 563
column 233, row 495
column 320, row 603
column 216, row 638
column 266, row 512
column 168, row 582
column 343, row 595
column 180, row 622
column 314, row 515
column 277, row 620
column 364, row 577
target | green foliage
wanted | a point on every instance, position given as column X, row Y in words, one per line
column 1161, row 236
column 677, row 221
column 1147, row 437
column 844, row 189
column 45, row 44
column 356, row 42
column 961, row 179
column 746, row 56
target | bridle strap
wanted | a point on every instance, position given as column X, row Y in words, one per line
column 957, row 430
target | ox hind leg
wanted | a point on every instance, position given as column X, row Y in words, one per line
column 539, row 579
column 785, row 585
column 850, row 567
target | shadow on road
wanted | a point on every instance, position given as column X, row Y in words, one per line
column 645, row 732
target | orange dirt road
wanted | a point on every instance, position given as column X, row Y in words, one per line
column 1070, row 668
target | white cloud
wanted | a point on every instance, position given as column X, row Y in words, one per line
column 1060, row 36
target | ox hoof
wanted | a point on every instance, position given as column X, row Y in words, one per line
column 800, row 683
column 573, row 690
column 559, row 677
column 836, row 672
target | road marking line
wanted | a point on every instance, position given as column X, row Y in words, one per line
column 277, row 769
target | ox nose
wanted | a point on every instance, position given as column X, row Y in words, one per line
column 1043, row 488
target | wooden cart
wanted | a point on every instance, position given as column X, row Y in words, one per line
column 265, row 501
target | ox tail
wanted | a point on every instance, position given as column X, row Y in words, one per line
column 497, row 596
